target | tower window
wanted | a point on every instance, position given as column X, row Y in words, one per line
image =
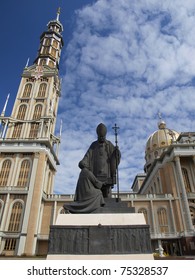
column 5, row 171
column 53, row 52
column 17, row 130
column 21, row 112
column 15, row 218
column 18, row 126
column 42, row 90
column 34, row 129
column 35, row 126
column 47, row 42
column 24, row 174
column 37, row 112
column 51, row 64
column 43, row 62
column 27, row 90
column 45, row 50
column 55, row 44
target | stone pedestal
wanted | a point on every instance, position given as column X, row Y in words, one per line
column 114, row 205
column 100, row 236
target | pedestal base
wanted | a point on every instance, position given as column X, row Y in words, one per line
column 97, row 236
column 102, row 257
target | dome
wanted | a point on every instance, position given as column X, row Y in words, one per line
column 158, row 142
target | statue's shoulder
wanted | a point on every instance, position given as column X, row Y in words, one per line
column 109, row 143
column 93, row 145
column 91, row 148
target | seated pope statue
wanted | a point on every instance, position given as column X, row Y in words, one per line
column 97, row 176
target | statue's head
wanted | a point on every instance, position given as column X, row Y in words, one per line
column 101, row 132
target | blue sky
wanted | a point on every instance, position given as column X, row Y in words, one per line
column 123, row 62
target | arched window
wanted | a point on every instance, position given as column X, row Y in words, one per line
column 51, row 64
column 186, row 179
column 18, row 126
column 17, row 130
column 47, row 42
column 34, row 129
column 162, row 220
column 5, row 171
column 53, row 52
column 144, row 211
column 42, row 90
column 45, row 50
column 43, row 61
column 27, row 90
column 37, row 112
column 23, row 178
column 21, row 112
column 55, row 44
column 16, row 217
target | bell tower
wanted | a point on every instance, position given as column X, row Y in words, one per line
column 29, row 146
column 35, row 109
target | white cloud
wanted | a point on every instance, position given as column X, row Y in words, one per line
column 126, row 61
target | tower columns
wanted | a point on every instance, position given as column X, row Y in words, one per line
column 187, row 222
column 4, row 219
column 32, row 230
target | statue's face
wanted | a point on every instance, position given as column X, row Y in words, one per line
column 101, row 132
column 101, row 138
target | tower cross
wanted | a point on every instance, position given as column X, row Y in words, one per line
column 116, row 128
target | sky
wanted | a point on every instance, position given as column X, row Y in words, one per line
column 122, row 62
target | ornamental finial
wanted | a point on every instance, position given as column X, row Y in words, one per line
column 58, row 14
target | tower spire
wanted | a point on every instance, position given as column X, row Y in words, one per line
column 58, row 14
column 51, row 42
column 27, row 63
column 5, row 106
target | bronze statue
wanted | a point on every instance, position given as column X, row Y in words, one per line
column 97, row 176
column 102, row 159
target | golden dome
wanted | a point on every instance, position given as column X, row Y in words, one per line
column 158, row 142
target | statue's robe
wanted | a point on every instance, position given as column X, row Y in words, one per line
column 88, row 194
column 102, row 161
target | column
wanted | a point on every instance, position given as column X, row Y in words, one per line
column 172, row 216
column 5, row 129
column 28, row 207
column 15, row 171
column 54, row 213
column 4, row 220
column 152, row 217
column 188, row 221
column 193, row 174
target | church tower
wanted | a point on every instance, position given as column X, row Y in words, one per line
column 29, row 147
